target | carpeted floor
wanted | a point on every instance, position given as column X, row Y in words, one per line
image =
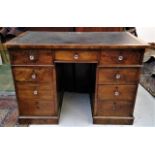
column 8, row 111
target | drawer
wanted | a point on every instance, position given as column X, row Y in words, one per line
column 33, row 74
column 117, row 92
column 36, row 108
column 121, row 57
column 27, row 91
column 76, row 56
column 31, row 57
column 115, row 108
column 118, row 75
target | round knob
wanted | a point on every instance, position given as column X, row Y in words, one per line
column 76, row 56
column 35, row 92
column 31, row 57
column 33, row 76
column 118, row 76
column 116, row 93
column 120, row 58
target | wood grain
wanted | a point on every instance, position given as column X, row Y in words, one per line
column 33, row 74
column 126, row 92
column 126, row 75
column 113, row 120
column 99, row 29
column 76, row 55
column 115, row 108
column 129, row 57
column 36, row 108
column 22, row 57
column 26, row 91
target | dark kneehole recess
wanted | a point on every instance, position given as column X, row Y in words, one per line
column 76, row 77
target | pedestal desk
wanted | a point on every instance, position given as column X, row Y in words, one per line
column 38, row 60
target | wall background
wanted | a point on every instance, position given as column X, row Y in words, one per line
column 146, row 33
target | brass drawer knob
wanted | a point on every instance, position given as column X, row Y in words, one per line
column 117, row 76
column 33, row 76
column 116, row 93
column 31, row 57
column 120, row 57
column 35, row 92
column 76, row 56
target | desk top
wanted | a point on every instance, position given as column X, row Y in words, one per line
column 80, row 40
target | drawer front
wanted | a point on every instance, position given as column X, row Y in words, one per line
column 36, row 108
column 76, row 56
column 120, row 57
column 33, row 74
column 115, row 108
column 118, row 75
column 117, row 92
column 26, row 91
column 31, row 57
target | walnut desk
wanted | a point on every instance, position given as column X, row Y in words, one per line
column 37, row 60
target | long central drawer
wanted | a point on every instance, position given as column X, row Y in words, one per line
column 76, row 56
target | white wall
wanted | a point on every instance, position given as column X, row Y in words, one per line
column 146, row 33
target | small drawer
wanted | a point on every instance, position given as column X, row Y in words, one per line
column 118, row 75
column 117, row 92
column 36, row 108
column 121, row 57
column 31, row 57
column 74, row 56
column 27, row 91
column 115, row 108
column 33, row 74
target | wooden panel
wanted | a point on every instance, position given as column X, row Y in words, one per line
column 121, row 57
column 113, row 120
column 115, row 108
column 27, row 91
column 99, row 29
column 76, row 56
column 33, row 74
column 39, row 120
column 50, row 29
column 118, row 75
column 117, row 92
column 31, row 57
column 36, row 108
